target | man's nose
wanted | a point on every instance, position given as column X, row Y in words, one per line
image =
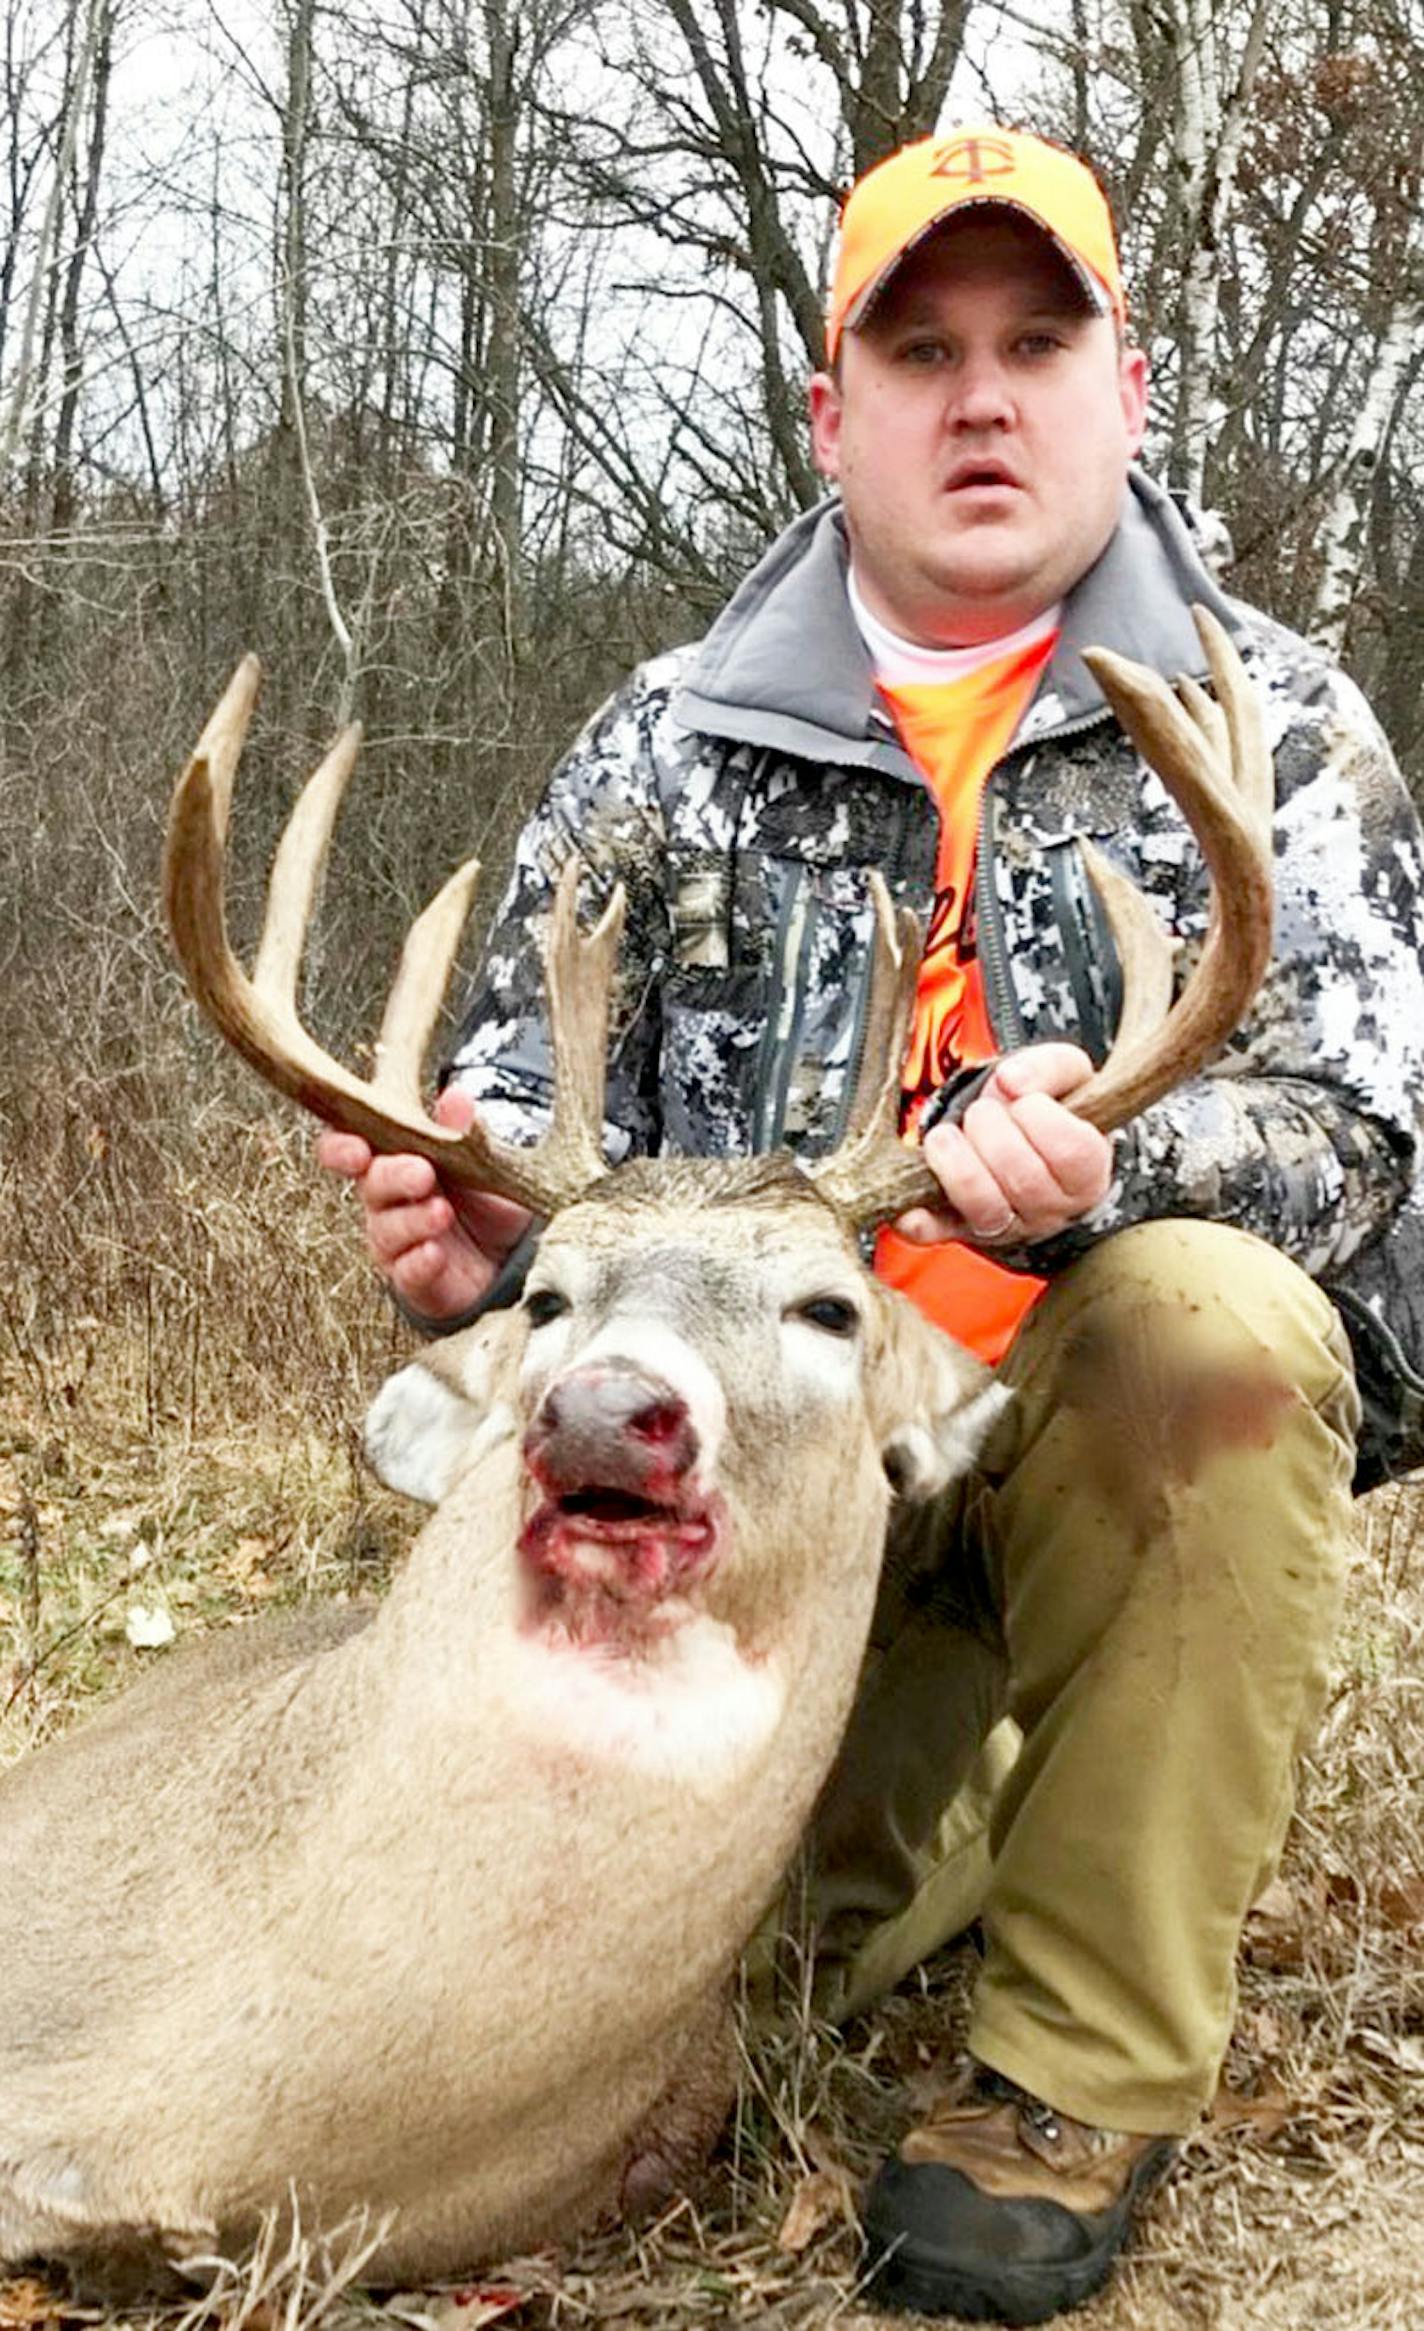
column 982, row 395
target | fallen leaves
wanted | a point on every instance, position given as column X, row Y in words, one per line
column 27, row 2304
column 1400, row 1901
column 823, row 2196
column 1277, row 1927
column 1265, row 2113
column 1288, row 1920
column 821, row 2199
column 149, row 1626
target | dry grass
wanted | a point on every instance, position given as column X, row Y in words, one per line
column 175, row 1436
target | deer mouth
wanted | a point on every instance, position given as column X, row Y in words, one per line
column 611, row 1565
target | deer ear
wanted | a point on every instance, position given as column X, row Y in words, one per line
column 932, row 1403
column 421, row 1426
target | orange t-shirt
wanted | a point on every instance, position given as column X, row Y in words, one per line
column 954, row 731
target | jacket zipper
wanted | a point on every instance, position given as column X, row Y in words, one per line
column 1005, row 1024
column 1005, row 1020
column 795, row 929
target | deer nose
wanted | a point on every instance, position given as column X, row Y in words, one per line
column 614, row 1427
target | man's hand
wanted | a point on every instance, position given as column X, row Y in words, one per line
column 439, row 1251
column 1020, row 1166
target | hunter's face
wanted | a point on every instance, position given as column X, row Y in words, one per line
column 980, row 428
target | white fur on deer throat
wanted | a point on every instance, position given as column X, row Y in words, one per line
column 693, row 1711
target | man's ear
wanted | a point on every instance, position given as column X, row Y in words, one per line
column 1132, row 390
column 932, row 1404
column 824, row 397
column 421, row 1427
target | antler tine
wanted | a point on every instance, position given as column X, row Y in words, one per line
column 578, row 982
column 220, row 745
column 1214, row 759
column 875, row 1105
column 1248, row 754
column 871, row 1154
column 1144, row 950
column 419, row 987
column 1208, row 715
column 1223, row 799
column 296, row 873
column 258, row 1016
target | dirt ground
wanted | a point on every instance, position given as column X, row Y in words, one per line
column 1299, row 2208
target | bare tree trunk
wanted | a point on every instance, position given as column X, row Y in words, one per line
column 84, row 39
column 88, row 211
column 296, row 121
column 1397, row 690
column 735, row 178
column 906, row 59
column 506, row 231
column 1344, row 530
column 293, row 435
column 1208, row 124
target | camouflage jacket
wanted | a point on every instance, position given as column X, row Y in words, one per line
column 741, row 787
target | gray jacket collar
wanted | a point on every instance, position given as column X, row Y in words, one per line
column 784, row 666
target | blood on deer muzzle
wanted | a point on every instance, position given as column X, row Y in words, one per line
column 611, row 1426
column 623, row 1518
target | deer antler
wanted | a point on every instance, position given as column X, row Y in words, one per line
column 1213, row 758
column 258, row 1016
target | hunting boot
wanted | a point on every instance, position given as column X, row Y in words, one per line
column 998, row 2209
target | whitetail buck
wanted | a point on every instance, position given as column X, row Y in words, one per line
column 433, row 1912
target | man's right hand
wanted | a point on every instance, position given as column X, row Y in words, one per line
column 440, row 1252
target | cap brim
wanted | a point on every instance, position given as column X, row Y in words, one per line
column 1096, row 294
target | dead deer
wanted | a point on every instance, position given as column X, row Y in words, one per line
column 431, row 1913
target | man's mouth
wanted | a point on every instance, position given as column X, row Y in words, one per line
column 979, row 477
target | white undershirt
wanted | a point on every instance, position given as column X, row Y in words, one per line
column 902, row 663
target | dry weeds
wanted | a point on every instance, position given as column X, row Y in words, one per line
column 175, row 1438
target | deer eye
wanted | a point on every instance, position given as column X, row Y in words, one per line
column 831, row 1313
column 543, row 1305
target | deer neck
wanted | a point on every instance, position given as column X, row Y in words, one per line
column 752, row 1682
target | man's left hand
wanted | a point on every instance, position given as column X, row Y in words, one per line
column 1019, row 1166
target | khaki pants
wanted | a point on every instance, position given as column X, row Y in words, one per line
column 1093, row 1664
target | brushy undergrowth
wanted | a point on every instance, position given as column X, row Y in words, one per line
column 187, row 1338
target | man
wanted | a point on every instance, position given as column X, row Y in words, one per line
column 1145, row 1572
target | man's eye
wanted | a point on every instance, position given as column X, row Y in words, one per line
column 831, row 1313
column 544, row 1305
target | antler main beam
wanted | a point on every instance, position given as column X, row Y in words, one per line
column 1213, row 757
column 258, row 1016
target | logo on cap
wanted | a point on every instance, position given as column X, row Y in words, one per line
column 976, row 160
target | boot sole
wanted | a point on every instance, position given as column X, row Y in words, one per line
column 914, row 2277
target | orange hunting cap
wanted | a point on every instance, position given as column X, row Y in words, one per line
column 895, row 205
